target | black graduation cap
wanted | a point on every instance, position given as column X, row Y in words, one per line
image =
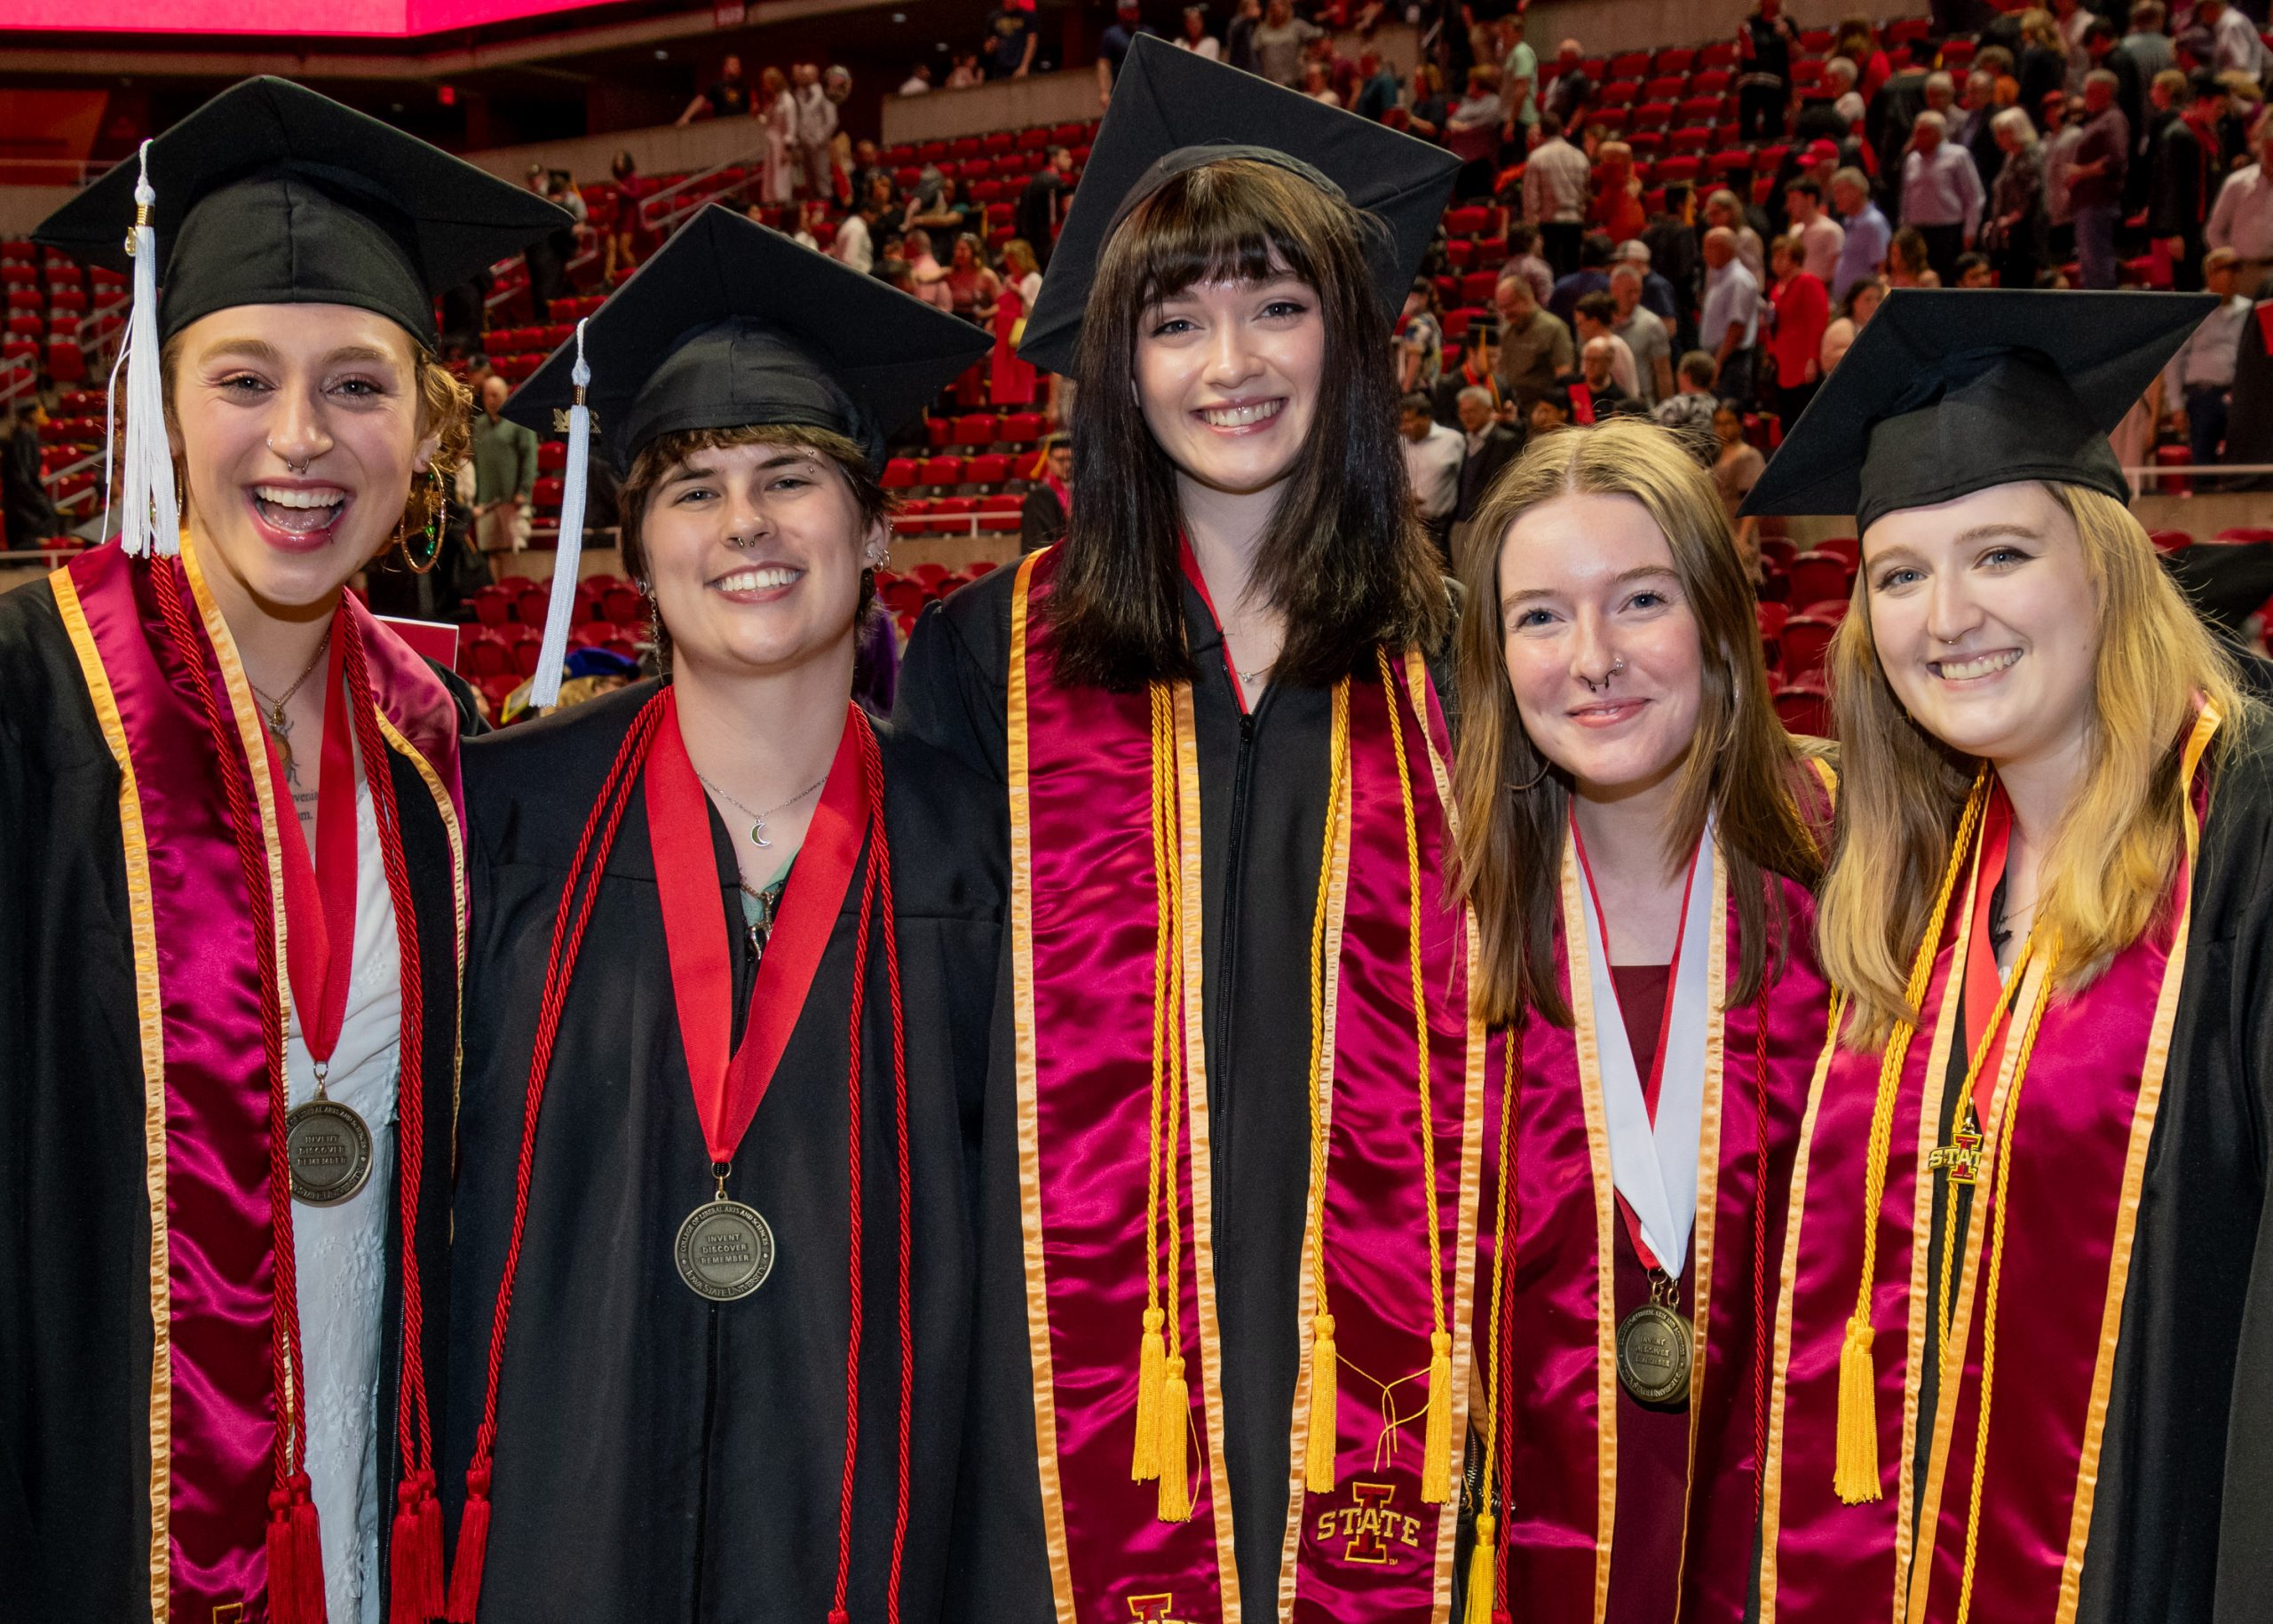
column 273, row 195
column 1172, row 111
column 1951, row 390
column 730, row 324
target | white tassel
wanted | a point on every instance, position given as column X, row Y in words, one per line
column 149, row 515
column 544, row 688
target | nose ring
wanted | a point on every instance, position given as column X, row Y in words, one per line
column 298, row 467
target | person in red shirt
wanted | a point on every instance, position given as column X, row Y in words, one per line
column 1803, row 307
column 1617, row 209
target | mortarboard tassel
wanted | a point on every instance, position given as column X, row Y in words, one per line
column 149, row 518
column 544, row 688
column 1174, row 1422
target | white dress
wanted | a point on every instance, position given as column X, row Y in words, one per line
column 341, row 1250
column 778, row 184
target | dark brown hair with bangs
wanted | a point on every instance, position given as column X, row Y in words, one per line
column 1343, row 559
column 661, row 457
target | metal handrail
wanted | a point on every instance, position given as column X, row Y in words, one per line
column 671, row 222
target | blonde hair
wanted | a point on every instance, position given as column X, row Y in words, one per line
column 2109, row 865
column 1742, row 767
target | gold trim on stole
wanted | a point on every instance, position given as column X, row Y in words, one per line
column 1933, row 1089
column 459, row 900
column 1337, row 902
column 1771, row 1501
column 2134, row 1178
column 252, row 738
column 1471, row 1147
column 1045, row 1389
column 150, row 1024
column 1589, row 1055
column 1705, row 1228
column 1199, row 1157
column 1950, row 1389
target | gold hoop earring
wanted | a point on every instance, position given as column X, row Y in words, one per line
column 432, row 532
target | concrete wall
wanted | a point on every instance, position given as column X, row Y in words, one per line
column 1601, row 25
column 22, row 208
column 1063, row 97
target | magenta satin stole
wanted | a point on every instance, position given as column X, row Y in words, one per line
column 2085, row 1116
column 1082, row 853
column 219, row 1248
column 1563, row 1566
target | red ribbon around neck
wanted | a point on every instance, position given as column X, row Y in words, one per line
column 320, row 896
column 1654, row 1084
column 729, row 1086
column 1982, row 984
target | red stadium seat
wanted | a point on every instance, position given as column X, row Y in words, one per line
column 622, row 606
column 1846, row 547
column 978, row 429
column 1818, row 575
column 992, row 469
column 1023, row 428
column 552, row 456
column 1805, row 639
column 939, row 471
column 1803, row 709
column 899, row 473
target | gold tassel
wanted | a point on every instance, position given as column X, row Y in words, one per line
column 1326, row 1397
column 1855, row 1468
column 1437, row 1458
column 1145, row 1463
column 1482, row 1580
column 1175, row 1419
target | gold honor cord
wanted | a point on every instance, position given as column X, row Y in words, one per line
column 1854, row 1461
column 1482, row 1579
column 2005, row 1129
column 1163, row 1394
column 1435, row 1457
column 1325, row 1386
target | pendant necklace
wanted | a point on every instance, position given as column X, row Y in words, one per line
column 279, row 726
column 757, row 824
column 769, row 904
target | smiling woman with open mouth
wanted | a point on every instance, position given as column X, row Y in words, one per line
column 2029, row 1295
column 235, row 861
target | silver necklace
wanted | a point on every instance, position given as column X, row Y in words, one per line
column 758, row 825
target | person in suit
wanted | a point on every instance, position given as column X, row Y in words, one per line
column 1492, row 446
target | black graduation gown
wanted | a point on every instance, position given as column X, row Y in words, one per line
column 1263, row 798
column 74, row 1231
column 661, row 1458
column 2184, row 1507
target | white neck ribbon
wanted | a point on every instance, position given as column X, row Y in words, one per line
column 1654, row 1165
